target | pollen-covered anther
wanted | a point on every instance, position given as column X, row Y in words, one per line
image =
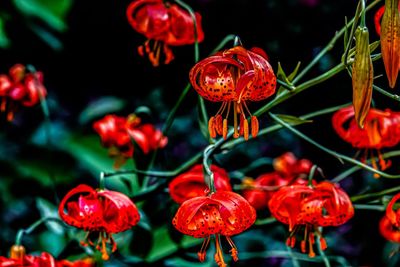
column 254, row 126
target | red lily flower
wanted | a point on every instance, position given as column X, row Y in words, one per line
column 389, row 225
column 165, row 24
column 302, row 206
column 221, row 213
column 287, row 169
column 102, row 211
column 116, row 133
column 390, row 38
column 381, row 129
column 20, row 88
column 235, row 75
column 18, row 258
column 191, row 183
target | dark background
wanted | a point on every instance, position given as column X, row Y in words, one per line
column 98, row 57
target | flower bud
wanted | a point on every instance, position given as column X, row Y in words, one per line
column 362, row 76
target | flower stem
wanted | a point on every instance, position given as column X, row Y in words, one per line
column 102, row 182
column 369, row 207
column 159, row 174
column 30, row 229
column 337, row 155
column 288, row 94
column 376, row 194
column 353, row 169
column 276, row 127
column 384, row 92
column 328, row 47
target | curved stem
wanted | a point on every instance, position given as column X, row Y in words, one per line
column 384, row 92
column 321, row 251
column 376, row 194
column 276, row 127
column 369, row 207
column 311, row 174
column 159, row 174
column 193, row 15
column 32, row 228
column 209, row 177
column 102, row 182
column 288, row 94
column 328, row 47
column 353, row 169
column 339, row 156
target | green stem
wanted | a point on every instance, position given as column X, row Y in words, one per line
column 376, row 194
column 30, row 229
column 193, row 15
column 353, row 169
column 159, row 174
column 276, row 127
column 311, row 174
column 102, row 182
column 288, row 94
column 209, row 177
column 321, row 251
column 363, row 11
column 265, row 221
column 369, row 207
column 337, row 155
column 328, row 47
column 384, row 92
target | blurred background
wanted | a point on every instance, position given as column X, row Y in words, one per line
column 88, row 54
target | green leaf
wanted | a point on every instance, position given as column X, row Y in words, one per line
column 292, row 120
column 101, row 107
column 53, row 13
column 47, row 209
column 294, row 72
column 163, row 245
column 4, row 41
column 87, row 150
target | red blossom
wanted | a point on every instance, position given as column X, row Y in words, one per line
column 20, row 88
column 287, row 169
column 103, row 211
column 221, row 213
column 309, row 207
column 191, row 183
column 389, row 225
column 164, row 23
column 18, row 258
column 381, row 129
column 117, row 133
column 235, row 75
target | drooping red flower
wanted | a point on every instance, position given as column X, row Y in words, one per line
column 222, row 213
column 102, row 211
column 287, row 169
column 18, row 258
column 20, row 88
column 234, row 76
column 389, row 225
column 191, row 183
column 306, row 207
column 381, row 129
column 164, row 24
column 117, row 133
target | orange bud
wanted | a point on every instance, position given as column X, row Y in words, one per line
column 390, row 40
column 362, row 76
